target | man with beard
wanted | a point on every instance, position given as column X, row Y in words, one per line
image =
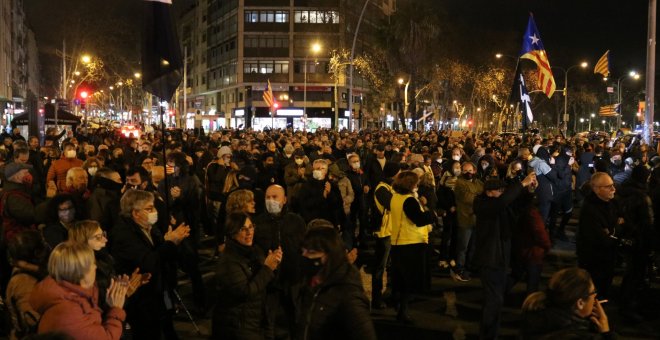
column 277, row 228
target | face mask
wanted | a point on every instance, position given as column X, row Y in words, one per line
column 310, row 267
column 152, row 218
column 439, row 160
column 468, row 175
column 318, row 175
column 70, row 154
column 484, row 166
column 457, row 172
column 273, row 207
column 299, row 161
column 66, row 216
column 355, row 165
column 92, row 171
column 456, row 158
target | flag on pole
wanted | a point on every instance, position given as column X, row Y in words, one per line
column 603, row 65
column 162, row 63
column 525, row 100
column 268, row 95
column 609, row 110
column 532, row 49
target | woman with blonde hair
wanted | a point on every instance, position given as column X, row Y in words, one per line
column 68, row 298
column 89, row 232
column 241, row 201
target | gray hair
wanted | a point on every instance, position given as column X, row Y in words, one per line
column 134, row 200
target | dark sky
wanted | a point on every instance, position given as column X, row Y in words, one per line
column 572, row 30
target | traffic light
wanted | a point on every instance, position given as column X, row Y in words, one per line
column 84, row 94
column 470, row 122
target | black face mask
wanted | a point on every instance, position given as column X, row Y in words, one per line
column 310, row 267
column 468, row 175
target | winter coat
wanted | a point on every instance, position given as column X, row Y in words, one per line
column 242, row 279
column 132, row 249
column 555, row 323
column 337, row 308
column 585, row 171
column 347, row 194
column 313, row 205
column 284, row 230
column 68, row 308
column 492, row 233
column 103, row 203
column 547, row 179
column 564, row 174
column 598, row 220
column 530, row 239
column 16, row 210
column 637, row 210
column 465, row 191
column 23, row 316
column 57, row 171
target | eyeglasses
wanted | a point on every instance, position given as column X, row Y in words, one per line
column 609, row 186
column 101, row 236
column 595, row 292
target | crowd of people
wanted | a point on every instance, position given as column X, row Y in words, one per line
column 97, row 226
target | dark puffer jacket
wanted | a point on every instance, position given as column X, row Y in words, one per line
column 242, row 279
column 335, row 309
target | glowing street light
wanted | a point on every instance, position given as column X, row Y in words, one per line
column 137, row 75
column 86, row 59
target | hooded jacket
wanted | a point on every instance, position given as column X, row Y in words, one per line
column 335, row 309
column 70, row 309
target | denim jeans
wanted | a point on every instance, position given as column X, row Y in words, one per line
column 383, row 246
column 464, row 235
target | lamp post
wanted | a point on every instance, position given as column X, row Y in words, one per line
column 405, row 99
column 631, row 74
column 581, row 123
column 583, row 65
column 316, row 48
column 593, row 115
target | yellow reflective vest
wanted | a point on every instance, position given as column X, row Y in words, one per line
column 404, row 231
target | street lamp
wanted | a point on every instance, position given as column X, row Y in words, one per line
column 405, row 98
column 583, row 65
column 633, row 75
column 137, row 75
column 593, row 115
column 603, row 122
column 85, row 59
column 315, row 48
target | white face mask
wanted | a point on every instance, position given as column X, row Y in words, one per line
column 355, row 165
column 70, row 154
column 152, row 218
column 456, row 157
column 92, row 171
column 299, row 161
column 484, row 166
column 273, row 207
column 439, row 160
column 318, row 175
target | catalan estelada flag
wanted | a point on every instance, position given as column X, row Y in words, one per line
column 609, row 110
column 268, row 95
column 603, row 65
column 532, row 49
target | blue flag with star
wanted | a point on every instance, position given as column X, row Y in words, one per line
column 533, row 49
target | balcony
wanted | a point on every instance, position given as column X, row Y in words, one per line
column 266, row 27
column 263, row 77
column 266, row 52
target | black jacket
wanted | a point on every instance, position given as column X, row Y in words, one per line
column 242, row 279
column 556, row 323
column 637, row 210
column 598, row 220
column 132, row 249
column 312, row 204
column 492, row 233
column 285, row 230
column 335, row 309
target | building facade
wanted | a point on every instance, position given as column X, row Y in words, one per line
column 248, row 43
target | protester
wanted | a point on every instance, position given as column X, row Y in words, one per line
column 243, row 275
column 68, row 298
column 332, row 303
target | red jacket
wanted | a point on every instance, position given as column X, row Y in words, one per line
column 531, row 241
column 70, row 309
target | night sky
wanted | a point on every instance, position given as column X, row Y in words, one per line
column 572, row 31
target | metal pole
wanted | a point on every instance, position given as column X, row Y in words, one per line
column 650, row 74
column 184, row 112
column 350, row 67
column 618, row 91
column 565, row 103
column 305, row 96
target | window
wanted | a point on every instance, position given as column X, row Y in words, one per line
column 266, row 41
column 266, row 16
column 316, row 17
column 266, row 66
column 251, row 16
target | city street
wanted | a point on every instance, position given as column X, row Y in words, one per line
column 452, row 310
